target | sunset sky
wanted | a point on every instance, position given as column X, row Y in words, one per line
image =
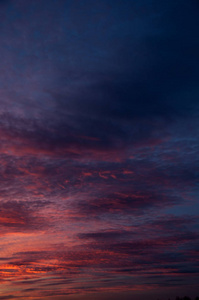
column 99, row 149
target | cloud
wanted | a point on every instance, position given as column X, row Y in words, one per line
column 99, row 150
column 105, row 235
column 16, row 216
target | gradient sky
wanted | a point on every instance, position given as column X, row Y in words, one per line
column 99, row 149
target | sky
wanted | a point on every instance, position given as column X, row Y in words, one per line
column 99, row 149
